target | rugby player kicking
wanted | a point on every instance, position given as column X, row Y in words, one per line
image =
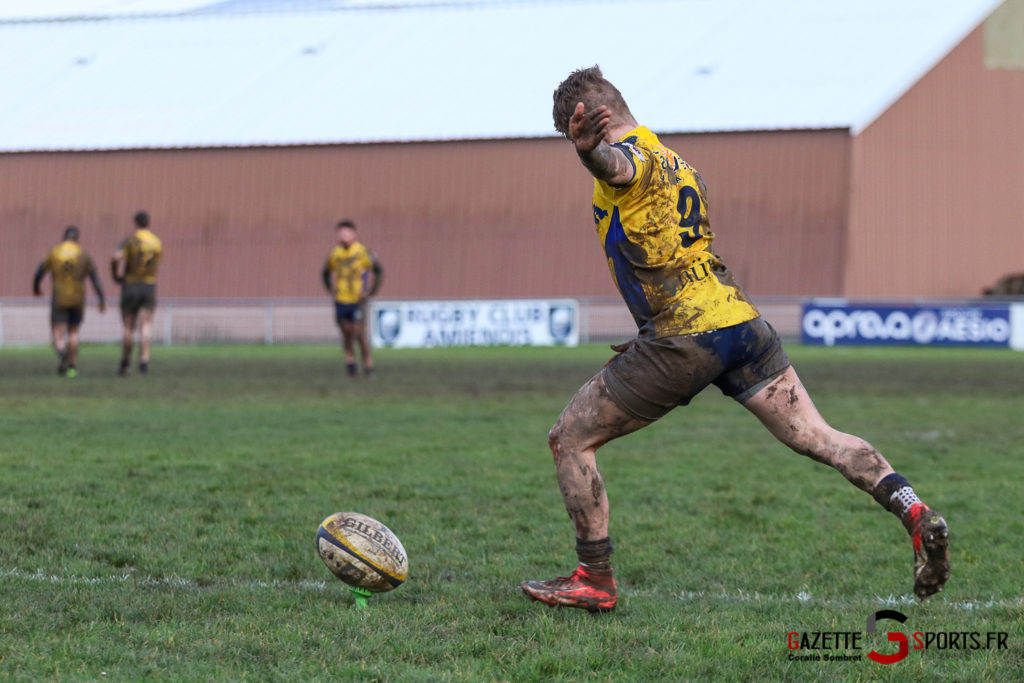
column 696, row 327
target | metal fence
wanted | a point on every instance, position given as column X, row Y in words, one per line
column 24, row 321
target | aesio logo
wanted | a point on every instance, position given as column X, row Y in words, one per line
column 923, row 327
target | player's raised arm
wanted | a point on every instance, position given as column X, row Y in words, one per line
column 589, row 132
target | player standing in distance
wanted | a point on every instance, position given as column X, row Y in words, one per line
column 696, row 327
column 134, row 266
column 346, row 274
column 68, row 265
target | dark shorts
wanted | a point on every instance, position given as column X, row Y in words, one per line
column 654, row 376
column 137, row 295
column 350, row 313
column 64, row 315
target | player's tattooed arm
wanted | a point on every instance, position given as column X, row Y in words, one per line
column 608, row 164
column 588, row 132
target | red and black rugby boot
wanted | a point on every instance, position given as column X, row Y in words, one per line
column 930, row 536
column 592, row 592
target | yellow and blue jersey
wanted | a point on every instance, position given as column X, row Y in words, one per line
column 142, row 253
column 350, row 267
column 657, row 240
column 69, row 265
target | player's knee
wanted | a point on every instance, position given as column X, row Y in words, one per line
column 554, row 439
column 559, row 439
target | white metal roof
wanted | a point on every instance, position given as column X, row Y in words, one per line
column 64, row 10
column 22, row 10
column 378, row 72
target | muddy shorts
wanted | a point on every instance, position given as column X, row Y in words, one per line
column 66, row 315
column 137, row 295
column 653, row 376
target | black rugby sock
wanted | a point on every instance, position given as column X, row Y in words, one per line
column 895, row 494
column 595, row 555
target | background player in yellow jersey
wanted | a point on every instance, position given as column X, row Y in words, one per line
column 134, row 266
column 696, row 327
column 352, row 274
column 68, row 265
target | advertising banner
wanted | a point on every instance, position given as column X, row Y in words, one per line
column 516, row 322
column 1017, row 326
column 831, row 322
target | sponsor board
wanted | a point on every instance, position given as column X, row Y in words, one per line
column 831, row 322
column 1017, row 326
column 514, row 322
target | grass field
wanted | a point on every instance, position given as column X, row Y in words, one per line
column 163, row 525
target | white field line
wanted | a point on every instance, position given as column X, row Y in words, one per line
column 684, row 596
column 808, row 599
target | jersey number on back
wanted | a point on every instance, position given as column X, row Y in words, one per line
column 689, row 212
column 143, row 258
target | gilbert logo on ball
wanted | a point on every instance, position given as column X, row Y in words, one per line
column 362, row 552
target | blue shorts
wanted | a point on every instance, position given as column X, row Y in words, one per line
column 653, row 376
column 349, row 313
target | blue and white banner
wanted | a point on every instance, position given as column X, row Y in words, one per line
column 831, row 322
column 516, row 322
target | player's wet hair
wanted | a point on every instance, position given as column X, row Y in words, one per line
column 590, row 87
column 142, row 219
column 346, row 224
column 71, row 233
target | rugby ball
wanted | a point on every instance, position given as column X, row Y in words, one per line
column 362, row 552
